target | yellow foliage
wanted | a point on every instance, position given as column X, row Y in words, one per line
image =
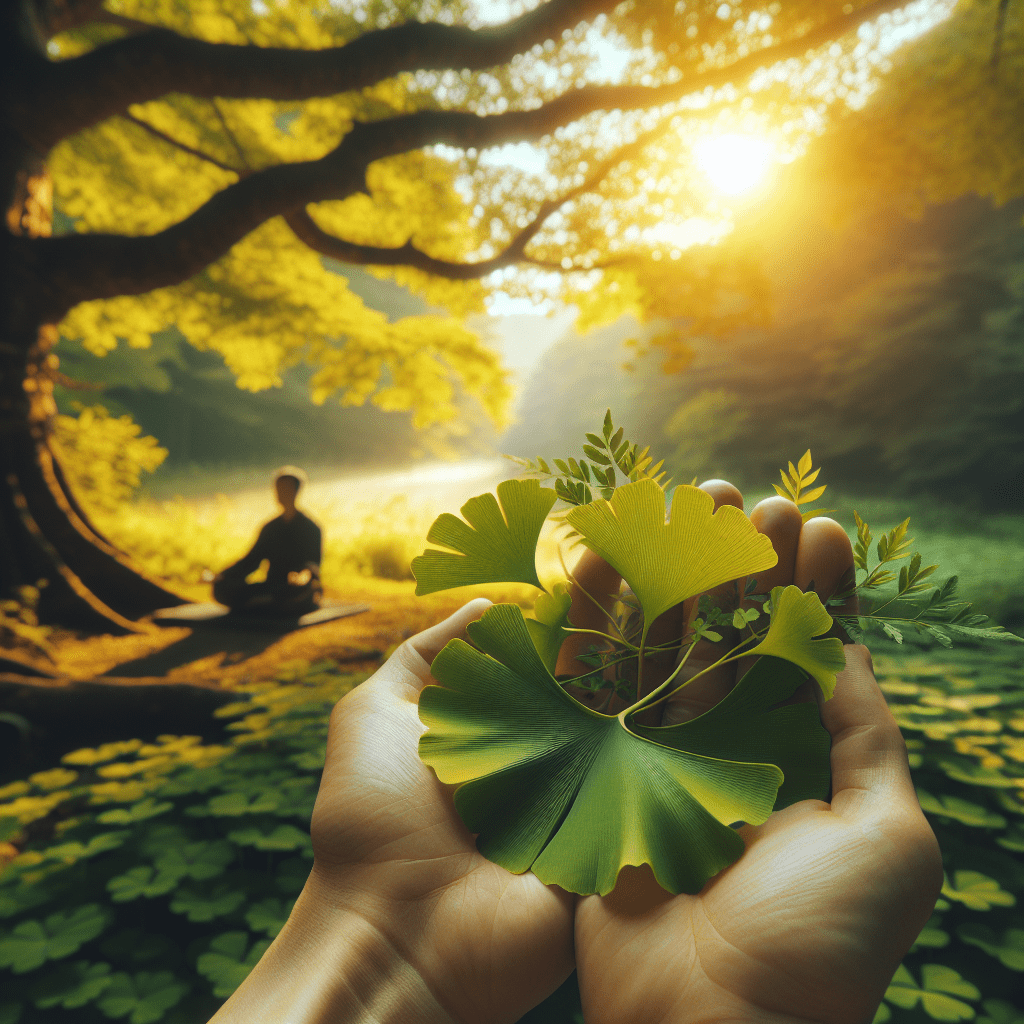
column 55, row 778
column 103, row 456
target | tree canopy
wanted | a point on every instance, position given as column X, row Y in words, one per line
column 208, row 156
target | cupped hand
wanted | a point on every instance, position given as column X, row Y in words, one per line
column 390, row 847
column 814, row 918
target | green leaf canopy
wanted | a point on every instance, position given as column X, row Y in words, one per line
column 574, row 795
column 664, row 563
column 498, row 546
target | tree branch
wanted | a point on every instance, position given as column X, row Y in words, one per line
column 60, row 98
column 309, row 232
column 179, row 145
column 83, row 267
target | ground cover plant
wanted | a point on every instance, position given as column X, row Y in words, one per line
column 142, row 881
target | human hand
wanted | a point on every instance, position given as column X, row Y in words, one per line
column 814, row 918
column 390, row 847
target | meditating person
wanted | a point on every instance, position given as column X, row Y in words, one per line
column 291, row 544
column 404, row 921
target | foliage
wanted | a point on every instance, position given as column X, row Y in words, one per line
column 960, row 710
column 19, row 624
column 148, row 878
column 103, row 457
column 538, row 768
column 607, row 207
column 177, row 540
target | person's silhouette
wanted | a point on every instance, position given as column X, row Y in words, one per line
column 291, row 543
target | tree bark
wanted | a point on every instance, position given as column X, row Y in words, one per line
column 44, row 533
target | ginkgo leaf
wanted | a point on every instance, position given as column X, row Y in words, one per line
column 548, row 629
column 499, row 544
column 666, row 562
column 976, row 891
column 284, row 837
column 796, row 619
column 574, row 795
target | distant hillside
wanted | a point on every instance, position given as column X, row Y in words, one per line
column 896, row 356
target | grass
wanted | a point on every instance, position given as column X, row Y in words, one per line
column 177, row 539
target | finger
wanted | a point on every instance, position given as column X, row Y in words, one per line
column 825, row 556
column 709, row 689
column 410, row 664
column 870, row 769
column 592, row 576
column 779, row 519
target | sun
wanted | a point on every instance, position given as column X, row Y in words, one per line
column 734, row 163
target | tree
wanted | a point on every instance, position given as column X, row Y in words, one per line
column 208, row 157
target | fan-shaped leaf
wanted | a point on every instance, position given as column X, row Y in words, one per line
column 575, row 795
column 961, row 810
column 498, row 546
column 940, row 984
column 796, row 619
column 548, row 629
column 666, row 562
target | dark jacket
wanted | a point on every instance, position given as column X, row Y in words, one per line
column 289, row 546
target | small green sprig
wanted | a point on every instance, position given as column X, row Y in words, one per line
column 799, row 478
column 576, row 480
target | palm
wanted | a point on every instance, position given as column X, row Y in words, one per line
column 813, row 919
column 382, row 813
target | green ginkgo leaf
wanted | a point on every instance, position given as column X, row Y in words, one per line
column 226, row 964
column 548, row 628
column 498, row 545
column 142, row 998
column 961, row 810
column 72, row 985
column 205, row 905
column 666, row 562
column 30, row 944
column 939, row 985
column 574, row 795
column 1007, row 949
column 10, row 1012
column 976, row 891
column 797, row 618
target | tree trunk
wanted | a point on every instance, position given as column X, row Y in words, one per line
column 44, row 533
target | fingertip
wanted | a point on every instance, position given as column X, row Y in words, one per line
column 723, row 492
column 428, row 644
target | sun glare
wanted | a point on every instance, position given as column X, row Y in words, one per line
column 733, row 163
